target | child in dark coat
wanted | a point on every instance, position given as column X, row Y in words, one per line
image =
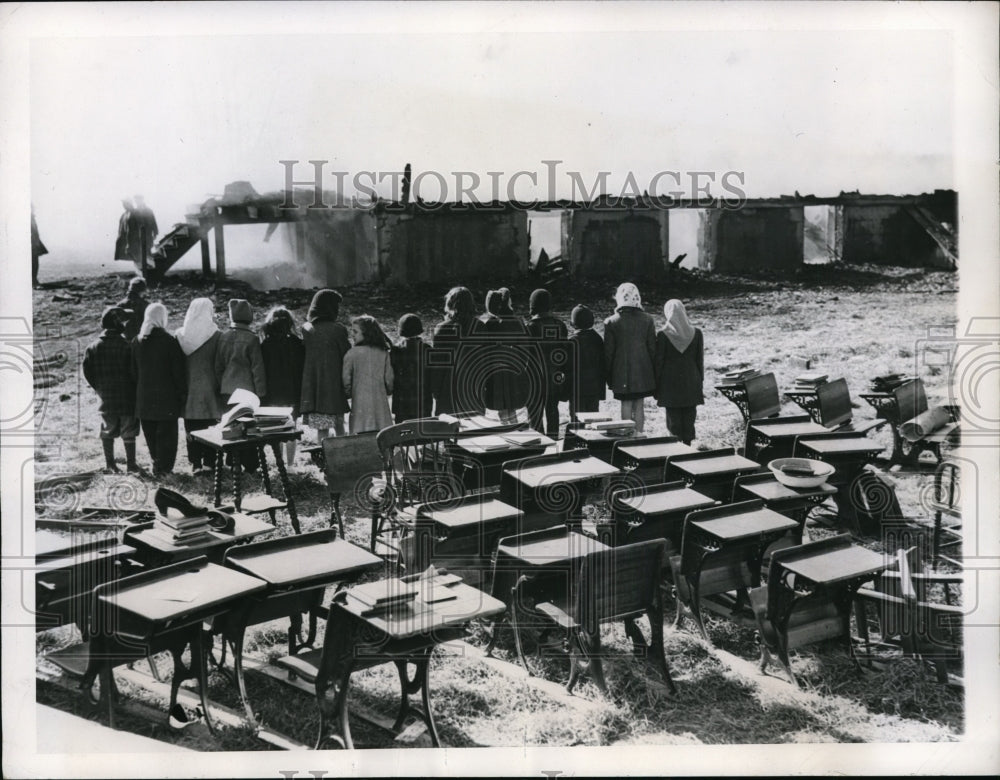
column 284, row 358
column 551, row 358
column 107, row 367
column 134, row 304
column 160, row 388
column 586, row 375
column 412, row 390
column 680, row 370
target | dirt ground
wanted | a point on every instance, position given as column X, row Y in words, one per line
column 856, row 323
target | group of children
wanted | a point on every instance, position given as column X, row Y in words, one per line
column 149, row 378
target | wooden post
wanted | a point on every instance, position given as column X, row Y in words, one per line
column 220, row 253
column 300, row 242
column 206, row 257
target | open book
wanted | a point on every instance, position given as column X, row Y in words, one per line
column 244, row 405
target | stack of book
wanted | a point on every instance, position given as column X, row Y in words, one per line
column 739, row 377
column 609, row 426
column 383, row 595
column 888, row 382
column 810, row 380
column 178, row 530
column 272, row 419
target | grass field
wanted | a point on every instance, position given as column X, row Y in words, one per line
column 855, row 323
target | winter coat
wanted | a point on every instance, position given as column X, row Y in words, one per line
column 160, row 370
column 284, row 359
column 368, row 380
column 679, row 375
column 455, row 379
column 325, row 344
column 107, row 367
column 502, row 357
column 629, row 351
column 412, row 394
column 203, row 399
column 586, row 375
column 239, row 364
column 551, row 353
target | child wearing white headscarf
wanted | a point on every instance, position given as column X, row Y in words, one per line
column 161, row 386
column 629, row 349
column 680, row 370
column 199, row 340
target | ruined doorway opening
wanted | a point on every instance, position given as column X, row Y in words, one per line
column 820, row 237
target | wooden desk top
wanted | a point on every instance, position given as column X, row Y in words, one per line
column 435, row 607
column 167, row 595
column 591, row 436
column 244, row 527
column 463, row 515
column 512, row 442
column 49, row 545
column 668, row 501
column 769, row 489
column 577, row 470
column 746, row 525
column 838, row 565
column 83, row 558
column 655, row 452
column 298, row 560
column 718, row 465
column 777, row 427
column 543, row 549
column 212, row 437
column 846, row 445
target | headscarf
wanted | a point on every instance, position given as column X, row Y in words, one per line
column 678, row 328
column 199, row 325
column 156, row 317
column 627, row 294
column 540, row 302
column 325, row 306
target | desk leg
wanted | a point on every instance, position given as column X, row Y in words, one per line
column 419, row 682
column 339, row 727
column 219, row 463
column 241, row 685
column 265, row 477
column 237, row 480
column 694, row 587
column 286, row 486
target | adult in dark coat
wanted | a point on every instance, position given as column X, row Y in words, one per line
column 134, row 303
column 550, row 359
column 629, row 351
column 680, row 370
column 456, row 381
column 199, row 339
column 324, row 402
column 284, row 359
column 161, row 387
column 585, row 375
column 505, row 337
column 127, row 241
column 412, row 394
column 107, row 367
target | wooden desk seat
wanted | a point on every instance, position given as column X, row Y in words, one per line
column 905, row 403
column 616, row 584
column 836, row 411
column 906, row 616
column 794, row 610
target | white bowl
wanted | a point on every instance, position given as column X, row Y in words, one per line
column 821, row 472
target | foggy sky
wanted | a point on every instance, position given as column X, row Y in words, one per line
column 177, row 117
